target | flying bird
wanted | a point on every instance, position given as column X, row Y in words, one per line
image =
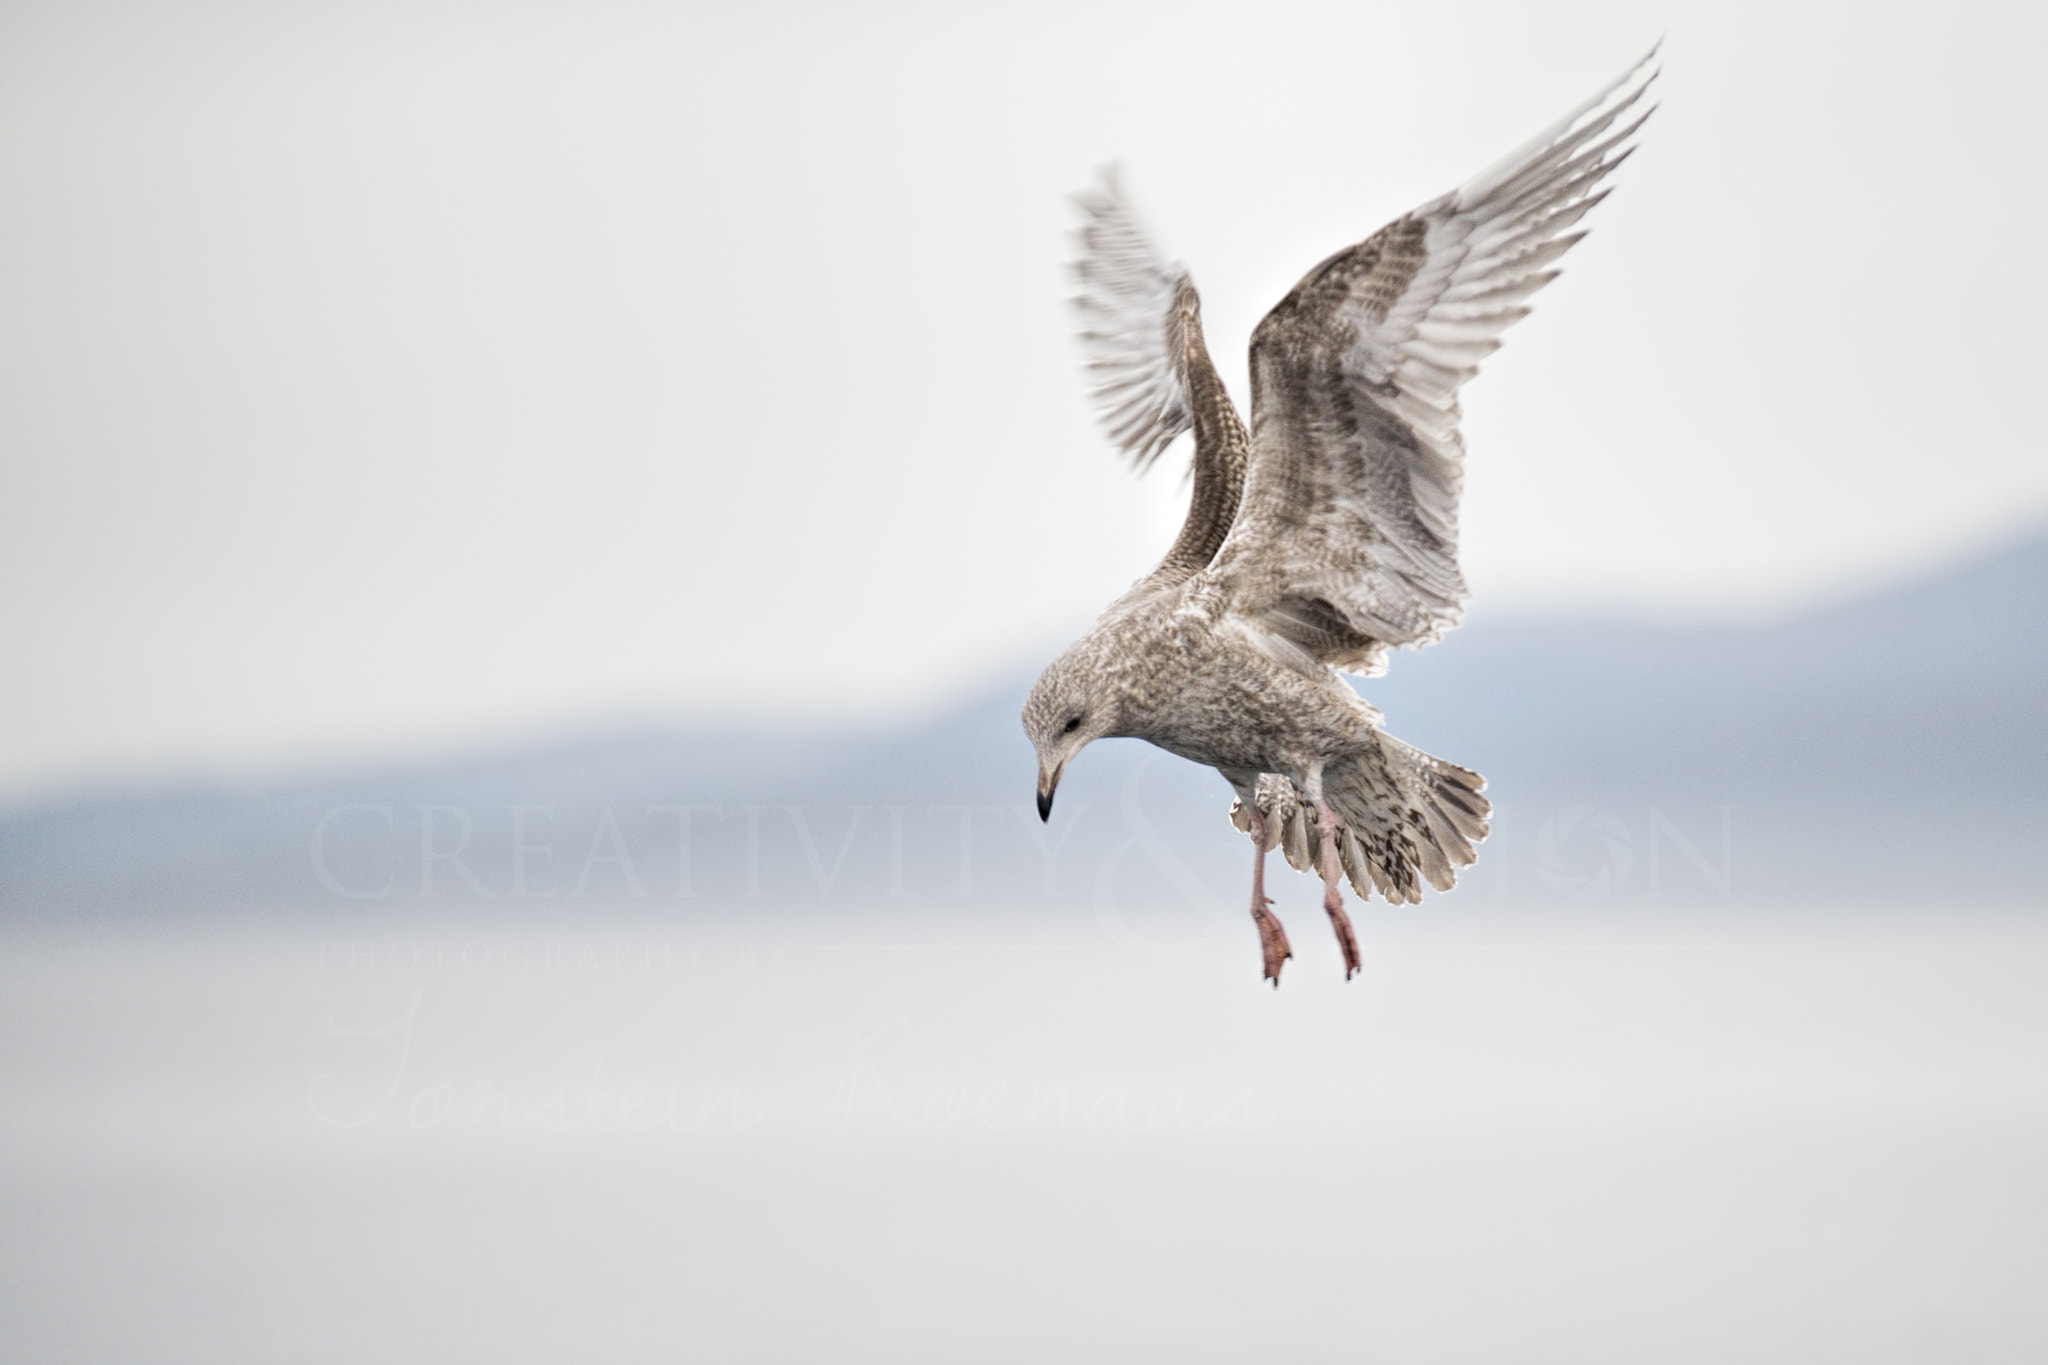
column 1327, row 533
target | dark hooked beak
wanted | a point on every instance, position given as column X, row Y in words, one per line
column 1048, row 782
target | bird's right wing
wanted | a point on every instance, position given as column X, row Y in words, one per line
column 1347, row 539
column 1149, row 371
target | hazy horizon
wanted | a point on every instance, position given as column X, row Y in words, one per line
column 599, row 723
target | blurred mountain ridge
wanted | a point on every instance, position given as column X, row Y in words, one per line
column 1890, row 747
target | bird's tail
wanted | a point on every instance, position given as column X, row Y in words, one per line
column 1403, row 817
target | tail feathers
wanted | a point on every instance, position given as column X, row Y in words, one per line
column 1403, row 817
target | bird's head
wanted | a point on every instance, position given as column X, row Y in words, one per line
column 1073, row 702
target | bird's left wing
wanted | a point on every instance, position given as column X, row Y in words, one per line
column 1150, row 373
column 1346, row 537
column 1130, row 311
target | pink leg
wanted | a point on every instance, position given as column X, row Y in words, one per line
column 1333, row 894
column 1272, row 938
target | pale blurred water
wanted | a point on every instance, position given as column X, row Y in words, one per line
column 598, row 1135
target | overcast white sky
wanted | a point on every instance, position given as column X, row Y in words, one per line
column 380, row 377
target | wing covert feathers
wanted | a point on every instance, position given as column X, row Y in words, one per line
column 1347, row 537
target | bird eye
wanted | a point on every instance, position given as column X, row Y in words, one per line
column 1073, row 724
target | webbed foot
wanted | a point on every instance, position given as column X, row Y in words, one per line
column 1272, row 939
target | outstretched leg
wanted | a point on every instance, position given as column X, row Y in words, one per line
column 1333, row 895
column 1272, row 938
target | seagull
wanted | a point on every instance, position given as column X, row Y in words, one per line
column 1324, row 535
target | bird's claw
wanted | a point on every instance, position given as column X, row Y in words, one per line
column 1273, row 943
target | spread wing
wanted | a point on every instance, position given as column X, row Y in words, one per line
column 1150, row 373
column 1347, row 538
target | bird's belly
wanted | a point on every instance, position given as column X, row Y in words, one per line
column 1248, row 715
column 1221, row 732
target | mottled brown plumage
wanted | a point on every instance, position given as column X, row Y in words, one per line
column 1326, row 534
